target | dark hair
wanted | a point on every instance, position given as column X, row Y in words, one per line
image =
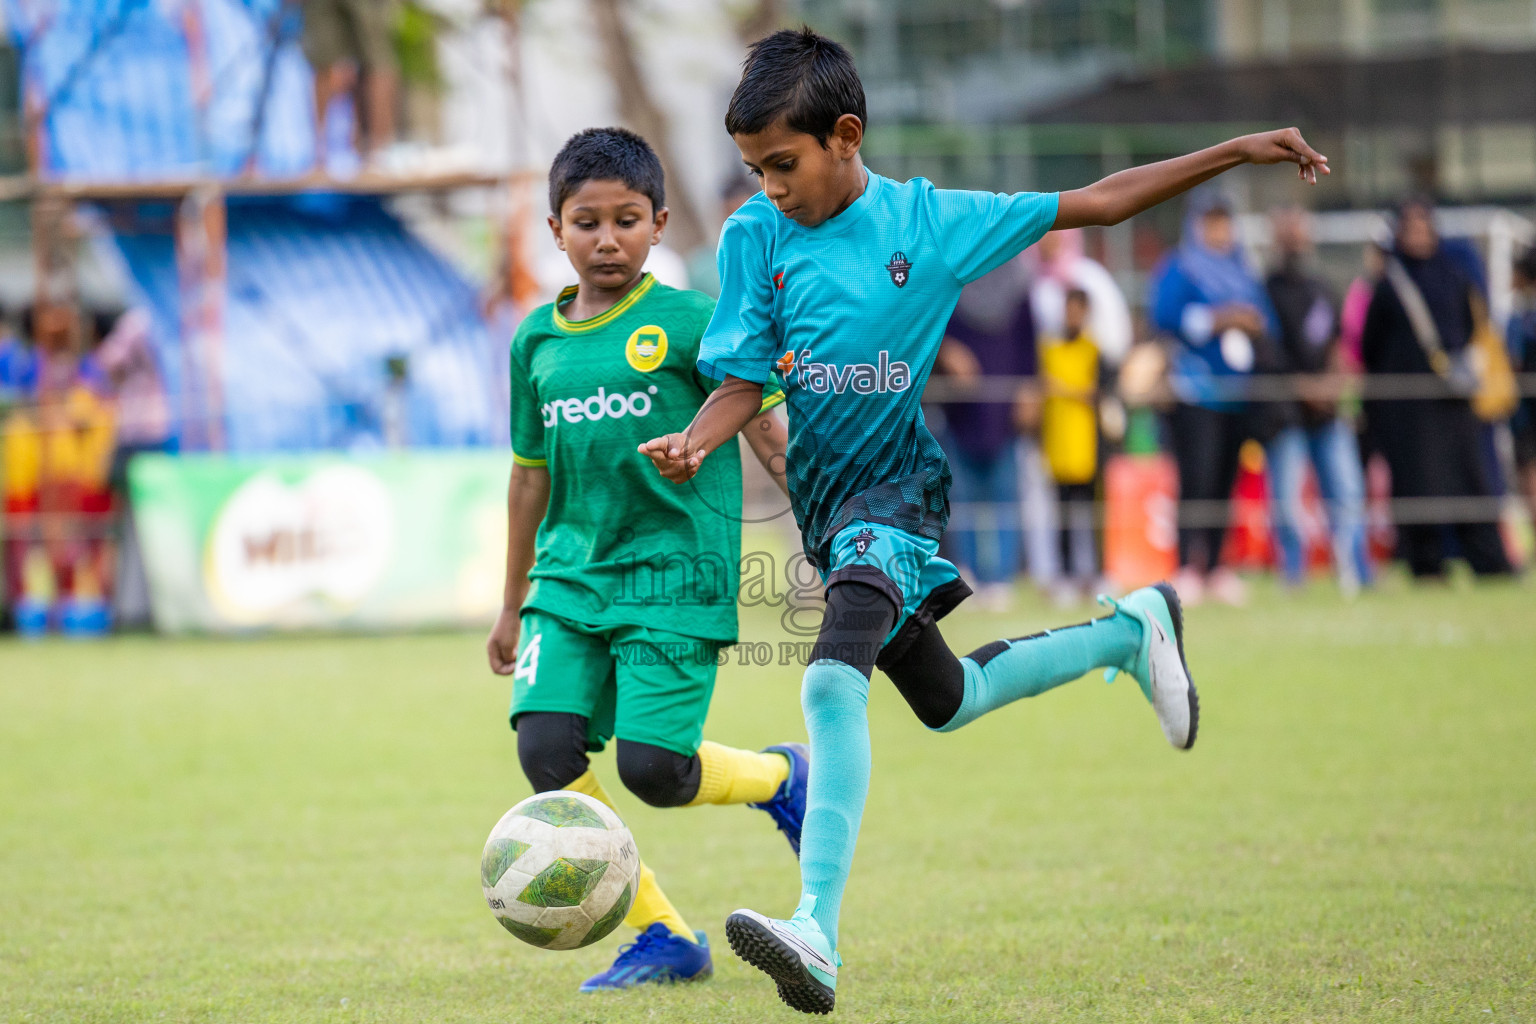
column 801, row 76
column 1078, row 295
column 1421, row 202
column 606, row 154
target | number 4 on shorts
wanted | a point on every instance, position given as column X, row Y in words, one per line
column 528, row 661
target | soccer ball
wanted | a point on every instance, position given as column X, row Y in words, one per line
column 560, row 870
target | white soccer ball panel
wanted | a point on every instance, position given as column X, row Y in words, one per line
column 560, row 870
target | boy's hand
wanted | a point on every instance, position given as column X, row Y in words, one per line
column 502, row 645
column 1284, row 146
column 675, row 456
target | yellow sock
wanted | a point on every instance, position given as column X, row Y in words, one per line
column 651, row 904
column 731, row 776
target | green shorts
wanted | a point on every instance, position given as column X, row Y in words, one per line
column 633, row 682
column 354, row 30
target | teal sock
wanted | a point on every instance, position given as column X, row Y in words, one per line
column 835, row 698
column 1031, row 665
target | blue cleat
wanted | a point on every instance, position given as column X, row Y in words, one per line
column 787, row 808
column 656, row 957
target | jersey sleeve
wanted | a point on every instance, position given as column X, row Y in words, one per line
column 740, row 340
column 977, row 232
column 773, row 394
column 527, row 420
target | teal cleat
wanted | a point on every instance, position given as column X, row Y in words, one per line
column 794, row 953
column 1160, row 668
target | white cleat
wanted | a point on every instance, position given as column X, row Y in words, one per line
column 1161, row 669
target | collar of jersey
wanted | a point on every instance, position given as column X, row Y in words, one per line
column 606, row 317
column 851, row 216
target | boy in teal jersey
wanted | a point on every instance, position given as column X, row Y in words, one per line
column 620, row 588
column 838, row 282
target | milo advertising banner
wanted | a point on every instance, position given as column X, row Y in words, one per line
column 322, row 541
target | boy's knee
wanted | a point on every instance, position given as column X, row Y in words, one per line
column 854, row 627
column 833, row 686
column 552, row 748
column 658, row 776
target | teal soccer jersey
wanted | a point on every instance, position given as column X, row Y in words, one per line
column 849, row 315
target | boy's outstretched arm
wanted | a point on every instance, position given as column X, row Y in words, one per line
column 729, row 407
column 768, row 437
column 1129, row 192
column 527, row 501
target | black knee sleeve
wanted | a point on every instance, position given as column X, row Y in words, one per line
column 552, row 748
column 929, row 677
column 854, row 627
column 660, row 777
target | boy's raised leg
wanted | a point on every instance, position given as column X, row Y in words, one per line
column 1144, row 638
column 773, row 780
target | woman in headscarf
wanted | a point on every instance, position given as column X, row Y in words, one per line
column 1206, row 299
column 1433, row 445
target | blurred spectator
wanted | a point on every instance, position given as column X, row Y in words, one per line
column 991, row 333
column 1434, row 446
column 1522, row 352
column 1069, row 436
column 703, row 272
column 1312, row 429
column 349, row 46
column 1217, row 312
column 57, row 453
column 1357, row 299
column 1063, row 267
column 19, row 456
column 1463, row 252
column 127, row 358
column 18, row 366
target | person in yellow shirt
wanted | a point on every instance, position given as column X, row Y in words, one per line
column 1069, row 437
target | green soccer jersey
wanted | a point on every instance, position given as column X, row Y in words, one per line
column 619, row 544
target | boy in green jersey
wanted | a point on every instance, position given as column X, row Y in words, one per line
column 621, row 588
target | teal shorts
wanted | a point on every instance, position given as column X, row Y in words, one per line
column 633, row 682
column 904, row 567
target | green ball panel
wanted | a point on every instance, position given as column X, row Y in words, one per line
column 609, row 921
column 499, row 855
column 565, row 883
column 564, row 812
column 530, row 934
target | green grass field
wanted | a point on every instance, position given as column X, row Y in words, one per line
column 289, row 829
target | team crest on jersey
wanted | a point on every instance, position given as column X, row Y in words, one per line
column 646, row 348
column 862, row 540
column 900, row 268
